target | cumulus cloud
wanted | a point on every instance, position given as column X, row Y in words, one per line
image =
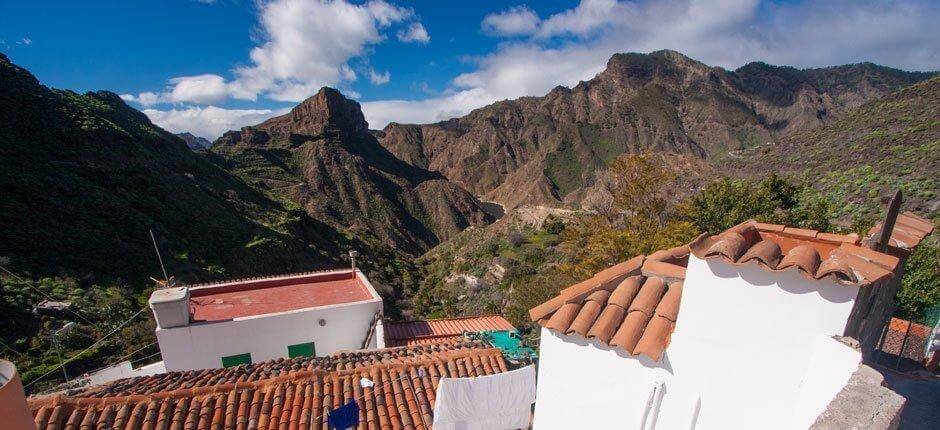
column 414, row 33
column 379, row 78
column 210, row 121
column 304, row 45
column 517, row 20
column 575, row 44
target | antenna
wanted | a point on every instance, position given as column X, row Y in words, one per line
column 352, row 257
column 165, row 278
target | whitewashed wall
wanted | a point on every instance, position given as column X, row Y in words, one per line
column 266, row 337
column 752, row 349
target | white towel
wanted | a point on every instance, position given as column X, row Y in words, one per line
column 494, row 402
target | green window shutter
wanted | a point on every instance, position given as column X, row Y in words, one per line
column 302, row 350
column 235, row 360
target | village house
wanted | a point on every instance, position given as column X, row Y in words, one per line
column 761, row 326
column 250, row 320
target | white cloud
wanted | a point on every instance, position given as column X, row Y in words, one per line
column 379, row 78
column 517, row 20
column 415, row 33
column 146, row 98
column 210, row 121
column 304, row 45
column 727, row 33
column 25, row 41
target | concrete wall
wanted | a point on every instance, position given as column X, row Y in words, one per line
column 752, row 349
column 14, row 414
column 266, row 337
column 123, row 370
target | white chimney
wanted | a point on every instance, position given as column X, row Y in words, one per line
column 170, row 307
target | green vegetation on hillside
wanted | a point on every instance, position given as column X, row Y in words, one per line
column 513, row 270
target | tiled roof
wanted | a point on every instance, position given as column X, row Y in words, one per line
column 632, row 305
column 913, row 347
column 281, row 396
column 909, row 231
column 422, row 332
column 814, row 254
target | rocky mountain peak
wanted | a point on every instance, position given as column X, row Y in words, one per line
column 327, row 110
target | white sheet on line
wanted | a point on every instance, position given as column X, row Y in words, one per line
column 493, row 402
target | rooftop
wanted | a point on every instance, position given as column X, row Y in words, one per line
column 814, row 254
column 634, row 305
column 295, row 393
column 432, row 331
column 274, row 294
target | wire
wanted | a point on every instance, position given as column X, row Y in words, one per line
column 86, row 349
column 11, row 349
column 29, row 284
column 122, row 358
column 73, row 382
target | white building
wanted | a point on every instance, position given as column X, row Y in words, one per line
column 246, row 321
column 738, row 333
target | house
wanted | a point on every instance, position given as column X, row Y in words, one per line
column 250, row 320
column 445, row 329
column 394, row 388
column 761, row 326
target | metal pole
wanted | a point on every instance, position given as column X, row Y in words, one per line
column 58, row 350
column 165, row 277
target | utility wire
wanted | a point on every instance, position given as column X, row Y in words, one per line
column 11, row 349
column 66, row 384
column 29, row 284
column 86, row 349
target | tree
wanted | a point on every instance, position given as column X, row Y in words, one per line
column 727, row 202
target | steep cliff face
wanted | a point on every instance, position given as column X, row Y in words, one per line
column 552, row 150
column 322, row 156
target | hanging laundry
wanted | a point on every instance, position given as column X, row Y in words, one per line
column 344, row 417
column 501, row 401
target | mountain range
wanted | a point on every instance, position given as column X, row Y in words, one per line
column 553, row 150
column 85, row 176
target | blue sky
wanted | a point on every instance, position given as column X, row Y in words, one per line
column 209, row 66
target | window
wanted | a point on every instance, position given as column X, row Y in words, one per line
column 302, row 350
column 236, row 360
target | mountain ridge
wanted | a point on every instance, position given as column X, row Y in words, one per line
column 553, row 150
column 321, row 156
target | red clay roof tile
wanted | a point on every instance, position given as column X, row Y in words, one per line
column 431, row 331
column 816, row 255
column 300, row 399
column 805, row 257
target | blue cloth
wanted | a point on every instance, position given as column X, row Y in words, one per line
column 344, row 417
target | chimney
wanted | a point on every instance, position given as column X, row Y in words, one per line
column 170, row 307
column 13, row 408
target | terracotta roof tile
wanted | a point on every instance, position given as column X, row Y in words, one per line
column 815, row 255
column 805, row 257
column 617, row 305
column 909, row 231
column 635, row 304
column 766, row 253
column 669, row 272
column 606, row 279
column 403, row 396
column 431, row 331
column 769, row 227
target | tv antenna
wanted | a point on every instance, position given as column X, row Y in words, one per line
column 166, row 278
